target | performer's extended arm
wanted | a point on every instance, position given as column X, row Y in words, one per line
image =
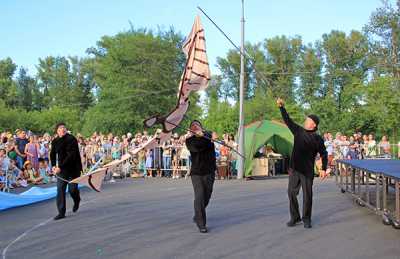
column 293, row 127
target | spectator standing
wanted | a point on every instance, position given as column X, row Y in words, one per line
column 32, row 152
column 20, row 144
column 372, row 147
column 384, row 147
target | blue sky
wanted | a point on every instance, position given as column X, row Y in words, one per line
column 34, row 29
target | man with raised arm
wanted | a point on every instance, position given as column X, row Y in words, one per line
column 307, row 144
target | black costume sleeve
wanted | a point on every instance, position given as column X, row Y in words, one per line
column 293, row 127
column 198, row 144
column 323, row 153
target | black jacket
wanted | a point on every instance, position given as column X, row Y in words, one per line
column 306, row 146
column 202, row 152
column 69, row 159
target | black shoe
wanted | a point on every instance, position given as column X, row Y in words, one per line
column 203, row 230
column 307, row 225
column 293, row 223
column 59, row 216
column 76, row 207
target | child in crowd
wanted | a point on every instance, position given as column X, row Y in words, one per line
column 4, row 161
column 4, row 165
column 14, row 172
column 44, row 151
column 149, row 162
column 142, row 161
column 353, row 147
column 22, row 178
column 33, row 176
column 116, row 149
column 44, row 171
column 11, row 153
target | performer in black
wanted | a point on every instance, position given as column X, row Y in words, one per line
column 307, row 143
column 202, row 171
column 66, row 163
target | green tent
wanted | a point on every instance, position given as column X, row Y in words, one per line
column 261, row 132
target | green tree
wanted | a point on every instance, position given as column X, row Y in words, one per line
column 137, row 73
column 310, row 75
column 26, row 85
column 282, row 58
column 8, row 89
column 383, row 31
column 230, row 72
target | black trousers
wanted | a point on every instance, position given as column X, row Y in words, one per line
column 297, row 180
column 203, row 187
column 61, row 188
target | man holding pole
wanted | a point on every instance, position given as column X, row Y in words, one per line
column 66, row 164
column 202, row 171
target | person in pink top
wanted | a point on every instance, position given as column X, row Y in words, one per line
column 32, row 152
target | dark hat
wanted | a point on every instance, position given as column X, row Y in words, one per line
column 59, row 125
column 314, row 118
column 196, row 121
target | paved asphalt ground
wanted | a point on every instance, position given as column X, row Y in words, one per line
column 153, row 219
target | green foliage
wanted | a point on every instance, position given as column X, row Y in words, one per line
column 38, row 122
column 138, row 74
column 221, row 116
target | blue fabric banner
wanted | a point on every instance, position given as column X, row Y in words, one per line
column 33, row 195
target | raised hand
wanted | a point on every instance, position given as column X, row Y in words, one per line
column 280, row 102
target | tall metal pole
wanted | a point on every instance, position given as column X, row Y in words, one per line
column 241, row 100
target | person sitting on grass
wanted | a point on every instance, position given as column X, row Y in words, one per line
column 33, row 176
column 22, row 178
column 14, row 172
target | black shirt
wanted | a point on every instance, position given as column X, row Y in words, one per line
column 21, row 143
column 202, row 152
column 306, row 146
column 69, row 158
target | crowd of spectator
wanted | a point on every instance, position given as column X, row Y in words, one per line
column 359, row 146
column 24, row 156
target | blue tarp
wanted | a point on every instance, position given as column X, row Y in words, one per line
column 33, row 195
